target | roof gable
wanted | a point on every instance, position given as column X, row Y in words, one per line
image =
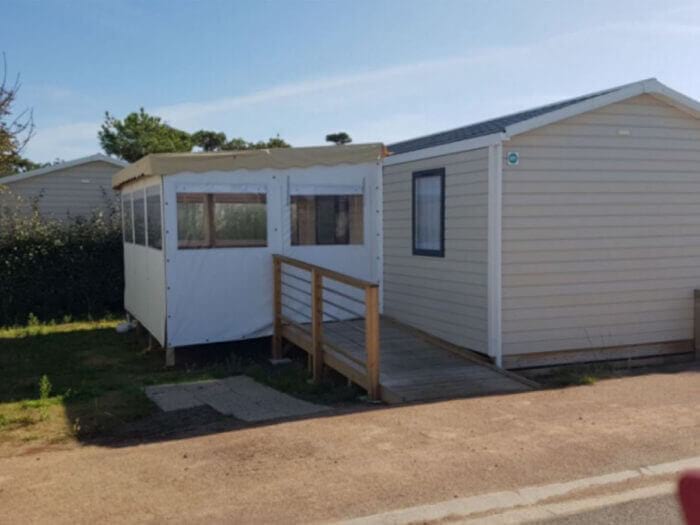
column 477, row 135
column 487, row 127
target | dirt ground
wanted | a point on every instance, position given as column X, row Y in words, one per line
column 362, row 462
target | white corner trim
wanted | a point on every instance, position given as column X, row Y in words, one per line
column 445, row 149
column 99, row 157
column 495, row 216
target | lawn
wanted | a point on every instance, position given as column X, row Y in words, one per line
column 92, row 379
column 63, row 382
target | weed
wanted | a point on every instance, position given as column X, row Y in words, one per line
column 44, row 387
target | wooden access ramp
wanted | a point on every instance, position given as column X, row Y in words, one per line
column 335, row 318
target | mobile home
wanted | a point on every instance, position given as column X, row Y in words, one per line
column 569, row 232
column 65, row 190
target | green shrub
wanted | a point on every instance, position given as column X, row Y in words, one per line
column 52, row 269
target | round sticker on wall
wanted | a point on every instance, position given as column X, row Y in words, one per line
column 513, row 158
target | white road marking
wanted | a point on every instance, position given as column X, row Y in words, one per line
column 570, row 508
column 527, row 496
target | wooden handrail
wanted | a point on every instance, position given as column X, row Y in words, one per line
column 316, row 350
column 372, row 341
column 325, row 272
column 317, row 323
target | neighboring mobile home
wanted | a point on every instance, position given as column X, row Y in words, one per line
column 65, row 190
column 200, row 230
column 569, row 232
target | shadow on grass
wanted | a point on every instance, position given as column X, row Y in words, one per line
column 96, row 381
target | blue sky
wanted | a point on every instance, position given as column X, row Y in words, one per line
column 382, row 70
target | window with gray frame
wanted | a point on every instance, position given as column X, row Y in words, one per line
column 429, row 212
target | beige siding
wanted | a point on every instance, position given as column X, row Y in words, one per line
column 601, row 230
column 74, row 191
column 442, row 296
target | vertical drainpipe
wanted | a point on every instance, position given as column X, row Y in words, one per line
column 495, row 216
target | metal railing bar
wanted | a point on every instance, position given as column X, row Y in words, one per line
column 294, row 299
column 296, row 277
column 339, row 307
column 341, row 294
column 301, row 290
column 296, row 311
column 331, row 317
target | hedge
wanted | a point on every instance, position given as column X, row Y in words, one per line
column 52, row 269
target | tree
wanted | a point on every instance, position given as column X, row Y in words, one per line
column 15, row 131
column 239, row 144
column 140, row 134
column 209, row 140
column 236, row 144
column 339, row 138
column 22, row 164
column 276, row 142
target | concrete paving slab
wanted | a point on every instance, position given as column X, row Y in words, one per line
column 172, row 397
column 237, row 396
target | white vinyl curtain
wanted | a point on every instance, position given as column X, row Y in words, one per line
column 428, row 216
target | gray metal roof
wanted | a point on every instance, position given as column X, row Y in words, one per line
column 486, row 127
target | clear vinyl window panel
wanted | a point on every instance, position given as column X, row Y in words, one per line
column 213, row 220
column 153, row 218
column 239, row 219
column 327, row 219
column 139, row 218
column 190, row 220
column 127, row 218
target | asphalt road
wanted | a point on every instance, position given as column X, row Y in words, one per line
column 662, row 510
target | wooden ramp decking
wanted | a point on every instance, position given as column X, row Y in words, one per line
column 412, row 368
column 335, row 318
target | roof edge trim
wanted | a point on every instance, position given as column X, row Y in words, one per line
column 166, row 164
column 445, row 149
column 98, row 157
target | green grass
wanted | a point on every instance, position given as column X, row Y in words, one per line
column 93, row 380
column 294, row 379
column 576, row 375
column 79, row 380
